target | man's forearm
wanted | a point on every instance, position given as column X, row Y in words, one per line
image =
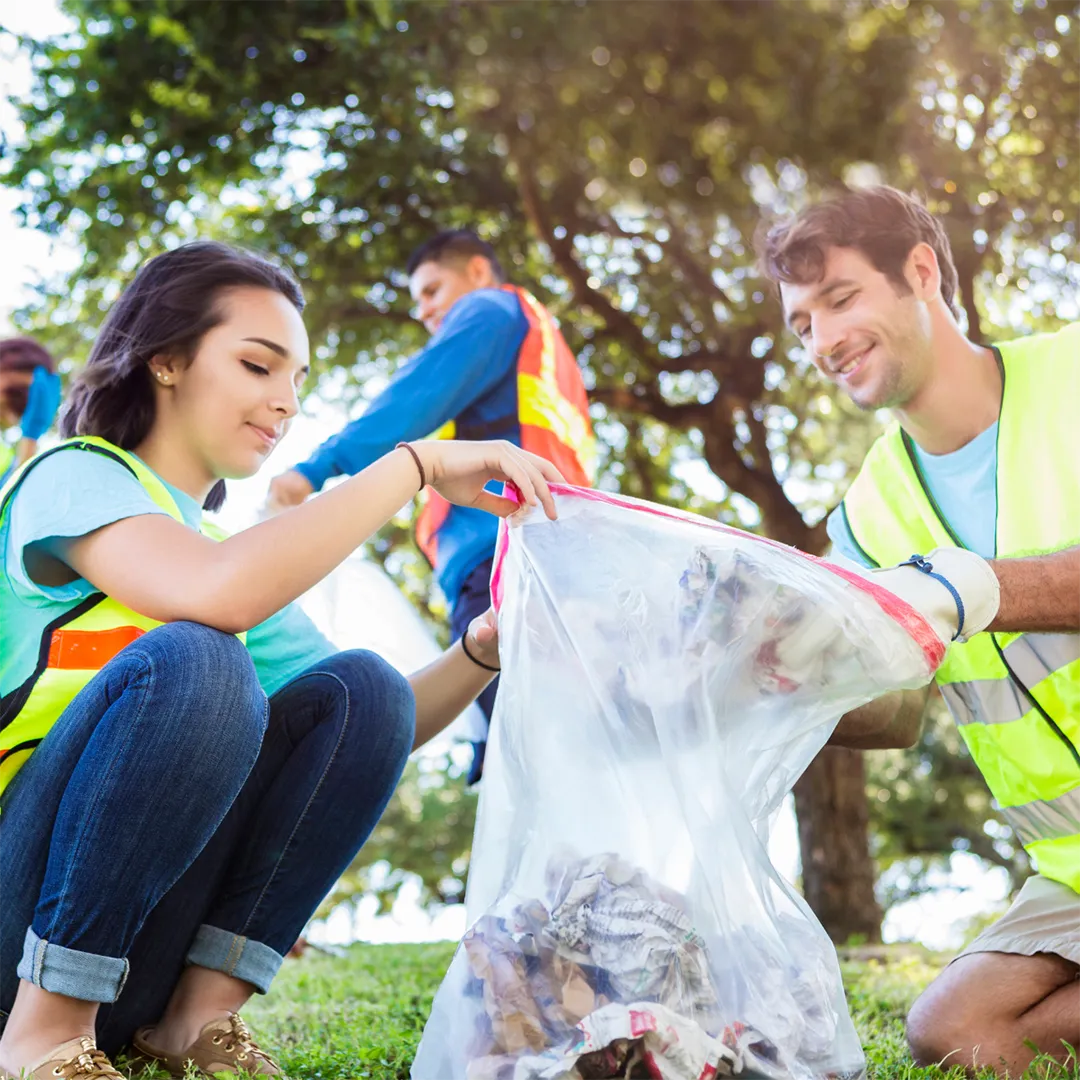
column 1040, row 593
column 444, row 689
column 891, row 722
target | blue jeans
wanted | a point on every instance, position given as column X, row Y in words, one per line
column 474, row 599
column 174, row 816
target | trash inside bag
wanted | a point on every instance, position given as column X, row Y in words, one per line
column 665, row 682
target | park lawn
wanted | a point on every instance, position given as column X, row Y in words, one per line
column 360, row 1017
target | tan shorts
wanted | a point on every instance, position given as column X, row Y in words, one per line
column 1044, row 918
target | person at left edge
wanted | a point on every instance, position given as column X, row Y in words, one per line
column 496, row 367
column 29, row 399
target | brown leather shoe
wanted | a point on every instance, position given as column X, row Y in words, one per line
column 223, row 1046
column 77, row 1059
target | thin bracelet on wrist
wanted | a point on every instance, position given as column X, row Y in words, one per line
column 416, row 458
column 478, row 663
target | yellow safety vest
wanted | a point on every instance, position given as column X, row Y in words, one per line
column 1016, row 697
column 77, row 645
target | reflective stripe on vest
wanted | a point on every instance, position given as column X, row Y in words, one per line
column 77, row 645
column 1015, row 696
column 7, row 457
column 1049, row 819
column 552, row 399
column 1033, row 657
column 553, row 414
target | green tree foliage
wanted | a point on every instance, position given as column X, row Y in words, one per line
column 620, row 156
column 623, row 159
column 641, row 151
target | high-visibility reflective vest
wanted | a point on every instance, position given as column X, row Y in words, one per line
column 78, row 644
column 552, row 414
column 1016, row 697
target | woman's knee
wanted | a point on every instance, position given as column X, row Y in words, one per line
column 381, row 694
column 193, row 645
column 205, row 681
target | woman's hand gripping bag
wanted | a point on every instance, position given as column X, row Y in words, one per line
column 666, row 680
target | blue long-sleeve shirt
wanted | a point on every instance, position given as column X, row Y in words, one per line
column 468, row 373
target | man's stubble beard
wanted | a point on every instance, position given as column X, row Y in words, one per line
column 898, row 383
column 891, row 392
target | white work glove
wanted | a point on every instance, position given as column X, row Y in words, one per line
column 957, row 610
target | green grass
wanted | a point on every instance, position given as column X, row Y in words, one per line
column 360, row 1018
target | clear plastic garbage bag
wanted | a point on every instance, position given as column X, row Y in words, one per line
column 665, row 682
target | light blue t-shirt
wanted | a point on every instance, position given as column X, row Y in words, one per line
column 964, row 486
column 72, row 493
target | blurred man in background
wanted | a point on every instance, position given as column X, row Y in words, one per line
column 497, row 367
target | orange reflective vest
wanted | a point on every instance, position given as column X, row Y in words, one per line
column 552, row 414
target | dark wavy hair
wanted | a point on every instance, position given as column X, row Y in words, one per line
column 22, row 354
column 172, row 302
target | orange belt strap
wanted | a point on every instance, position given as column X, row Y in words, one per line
column 89, row 650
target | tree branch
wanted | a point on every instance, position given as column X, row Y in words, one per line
column 759, row 446
column 563, row 251
column 780, row 518
column 640, row 399
column 966, row 260
column 695, row 274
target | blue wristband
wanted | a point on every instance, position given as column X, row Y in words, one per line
column 920, row 562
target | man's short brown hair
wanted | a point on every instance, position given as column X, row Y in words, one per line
column 881, row 223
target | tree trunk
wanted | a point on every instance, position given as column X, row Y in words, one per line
column 966, row 260
column 837, row 870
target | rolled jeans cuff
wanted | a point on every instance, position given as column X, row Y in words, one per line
column 235, row 955
column 82, row 975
